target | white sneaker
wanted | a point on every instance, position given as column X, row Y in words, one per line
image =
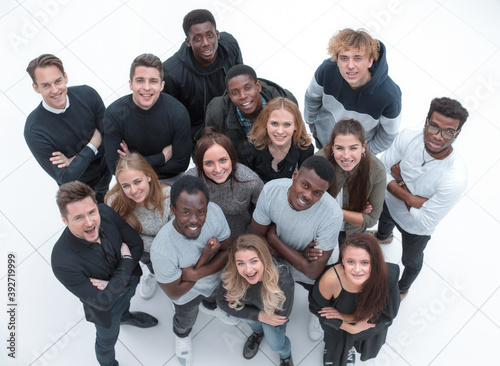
column 315, row 331
column 184, row 350
column 221, row 315
column 147, row 287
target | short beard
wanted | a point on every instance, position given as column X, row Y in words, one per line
column 432, row 153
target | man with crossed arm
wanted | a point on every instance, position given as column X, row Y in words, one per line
column 97, row 260
column 188, row 254
column 149, row 122
column 426, row 177
column 63, row 131
column 297, row 215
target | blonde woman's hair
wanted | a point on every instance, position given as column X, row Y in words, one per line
column 236, row 286
column 258, row 134
column 123, row 205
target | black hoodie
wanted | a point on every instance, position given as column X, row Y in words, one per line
column 194, row 85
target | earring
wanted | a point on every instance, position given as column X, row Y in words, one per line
column 363, row 154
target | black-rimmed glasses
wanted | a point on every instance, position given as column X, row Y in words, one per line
column 433, row 130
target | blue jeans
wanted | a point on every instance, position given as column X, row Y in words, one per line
column 275, row 337
column 106, row 337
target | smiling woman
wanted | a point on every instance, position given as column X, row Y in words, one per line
column 255, row 288
column 232, row 186
column 278, row 142
column 144, row 203
column 359, row 183
column 356, row 301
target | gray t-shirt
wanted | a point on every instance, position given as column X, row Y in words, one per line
column 297, row 229
column 172, row 251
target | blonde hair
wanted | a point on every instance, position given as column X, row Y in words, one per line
column 258, row 135
column 348, row 39
column 236, row 286
column 123, row 205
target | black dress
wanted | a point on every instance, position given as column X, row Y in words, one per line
column 337, row 341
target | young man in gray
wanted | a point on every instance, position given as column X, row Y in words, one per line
column 354, row 83
column 188, row 254
column 297, row 214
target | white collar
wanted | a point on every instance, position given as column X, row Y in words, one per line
column 55, row 110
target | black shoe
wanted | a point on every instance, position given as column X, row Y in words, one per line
column 141, row 320
column 286, row 361
column 252, row 345
column 351, row 356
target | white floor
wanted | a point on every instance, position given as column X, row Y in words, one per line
column 435, row 48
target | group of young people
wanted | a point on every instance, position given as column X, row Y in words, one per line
column 260, row 211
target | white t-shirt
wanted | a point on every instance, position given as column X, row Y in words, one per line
column 441, row 181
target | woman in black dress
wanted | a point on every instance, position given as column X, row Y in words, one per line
column 356, row 300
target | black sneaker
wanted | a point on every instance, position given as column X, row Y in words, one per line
column 351, row 356
column 252, row 345
column 286, row 361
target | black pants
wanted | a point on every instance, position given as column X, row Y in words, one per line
column 413, row 248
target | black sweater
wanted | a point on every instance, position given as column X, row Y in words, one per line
column 69, row 132
column 148, row 132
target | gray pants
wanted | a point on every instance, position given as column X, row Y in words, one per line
column 185, row 315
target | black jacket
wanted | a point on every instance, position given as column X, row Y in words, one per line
column 73, row 263
column 194, row 85
column 222, row 114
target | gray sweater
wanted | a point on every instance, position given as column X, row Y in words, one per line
column 151, row 220
column 237, row 202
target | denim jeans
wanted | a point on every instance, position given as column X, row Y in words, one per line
column 275, row 337
column 413, row 248
column 106, row 337
column 185, row 315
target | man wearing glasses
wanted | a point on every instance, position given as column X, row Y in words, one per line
column 425, row 179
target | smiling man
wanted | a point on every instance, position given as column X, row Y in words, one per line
column 426, row 178
column 195, row 73
column 354, row 83
column 97, row 260
column 188, row 255
column 149, row 122
column 296, row 214
column 63, row 131
column 235, row 113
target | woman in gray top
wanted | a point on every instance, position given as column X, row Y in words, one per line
column 143, row 202
column 232, row 186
